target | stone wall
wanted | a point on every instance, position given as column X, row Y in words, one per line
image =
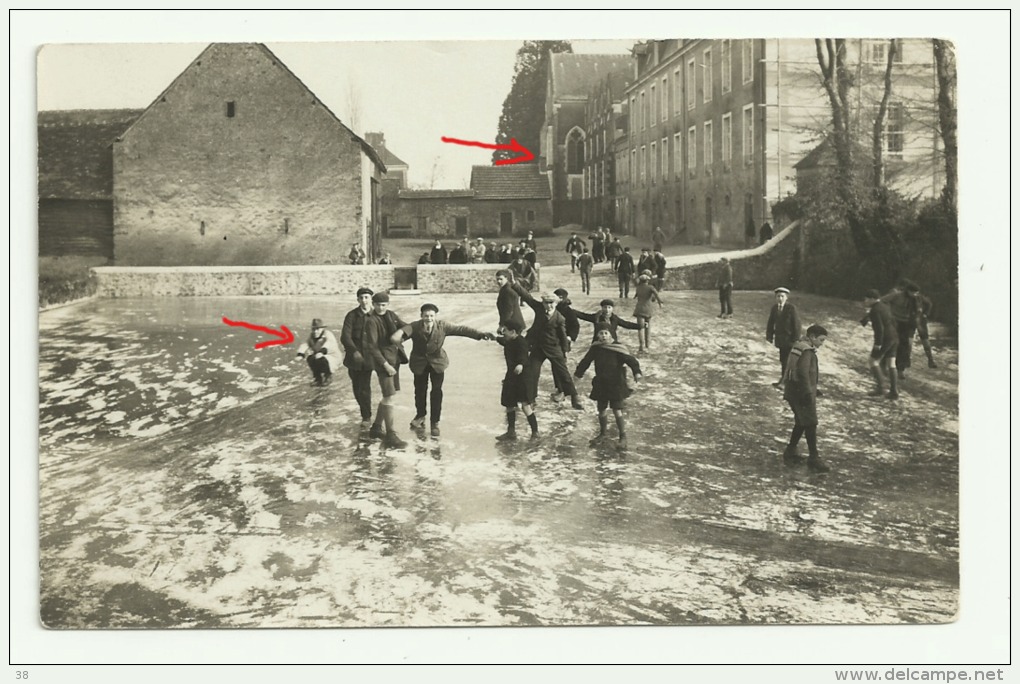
column 485, row 221
column 766, row 267
column 460, row 278
column 198, row 281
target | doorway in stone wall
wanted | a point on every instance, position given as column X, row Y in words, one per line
column 460, row 226
column 506, row 223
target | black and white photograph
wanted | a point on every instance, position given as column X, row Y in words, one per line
column 296, row 300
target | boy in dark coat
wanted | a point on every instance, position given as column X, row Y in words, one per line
column 384, row 356
column 359, row 367
column 605, row 315
column 903, row 306
column 625, row 272
column 801, row 385
column 547, row 339
column 660, row 270
column 575, row 247
column 724, row 281
column 884, row 348
column 429, row 361
column 923, row 306
column 573, row 328
column 609, row 387
column 782, row 329
column 515, row 384
column 585, row 263
column 508, row 303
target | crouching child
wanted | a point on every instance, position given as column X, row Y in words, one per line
column 321, row 351
column 515, row 383
column 609, row 388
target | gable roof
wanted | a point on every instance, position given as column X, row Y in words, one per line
column 575, row 76
column 511, row 181
column 821, row 155
column 368, row 149
column 75, row 155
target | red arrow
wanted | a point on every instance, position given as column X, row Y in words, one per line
column 286, row 337
column 514, row 146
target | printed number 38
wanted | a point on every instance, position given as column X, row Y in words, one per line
column 21, row 674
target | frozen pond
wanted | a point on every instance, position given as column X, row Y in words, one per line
column 190, row 480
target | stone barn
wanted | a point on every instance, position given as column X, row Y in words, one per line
column 237, row 162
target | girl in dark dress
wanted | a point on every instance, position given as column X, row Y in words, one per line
column 515, row 385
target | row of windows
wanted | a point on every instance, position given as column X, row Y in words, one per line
column 649, row 164
column 654, row 102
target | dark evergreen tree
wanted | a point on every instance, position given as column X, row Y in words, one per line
column 524, row 106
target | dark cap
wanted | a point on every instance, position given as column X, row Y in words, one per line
column 513, row 325
column 561, row 292
column 872, row 294
column 603, row 326
column 317, row 323
column 607, row 302
column 365, row 291
column 503, row 272
column 380, row 297
column 429, row 307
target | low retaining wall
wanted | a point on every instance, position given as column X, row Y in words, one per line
column 216, row 281
column 460, row 277
column 765, row 267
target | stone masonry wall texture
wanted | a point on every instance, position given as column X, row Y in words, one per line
column 461, row 278
column 279, row 182
column 223, row 281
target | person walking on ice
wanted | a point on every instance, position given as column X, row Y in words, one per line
column 645, row 294
column 609, row 388
column 801, row 390
column 783, row 329
column 429, row 361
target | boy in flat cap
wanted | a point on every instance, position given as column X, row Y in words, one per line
column 321, row 352
column 359, row 367
column 384, row 355
column 801, row 388
column 508, row 302
column 645, row 294
column 585, row 263
column 429, row 361
column 605, row 315
column 547, row 339
column 609, row 387
column 782, row 329
column 724, row 281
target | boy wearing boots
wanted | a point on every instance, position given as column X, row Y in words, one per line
column 609, row 387
column 384, row 355
column 883, row 351
column 515, row 386
column 801, row 388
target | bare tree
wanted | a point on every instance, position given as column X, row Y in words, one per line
column 354, row 110
column 878, row 131
column 945, row 72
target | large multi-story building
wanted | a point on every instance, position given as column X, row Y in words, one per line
column 604, row 122
column 570, row 80
column 716, row 127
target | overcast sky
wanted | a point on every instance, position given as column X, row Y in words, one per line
column 414, row 92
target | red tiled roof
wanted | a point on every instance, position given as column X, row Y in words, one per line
column 75, row 153
column 577, row 75
column 512, row 181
